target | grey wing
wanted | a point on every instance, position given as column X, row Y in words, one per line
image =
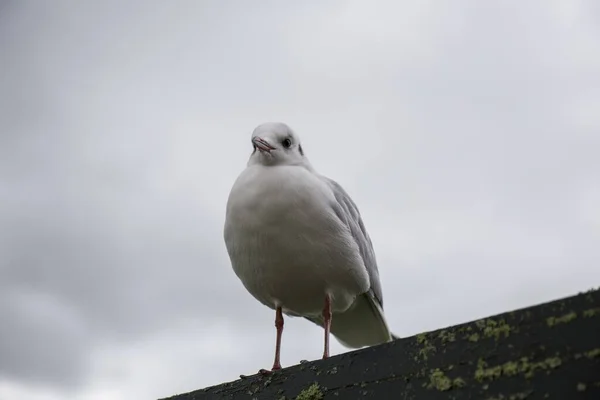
column 348, row 212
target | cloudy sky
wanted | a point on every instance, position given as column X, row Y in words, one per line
column 124, row 124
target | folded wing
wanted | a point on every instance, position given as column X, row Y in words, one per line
column 363, row 324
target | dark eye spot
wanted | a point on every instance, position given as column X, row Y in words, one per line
column 286, row 143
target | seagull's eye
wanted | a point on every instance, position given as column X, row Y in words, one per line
column 286, row 143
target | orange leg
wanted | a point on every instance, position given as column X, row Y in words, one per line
column 327, row 324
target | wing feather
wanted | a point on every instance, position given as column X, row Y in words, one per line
column 348, row 212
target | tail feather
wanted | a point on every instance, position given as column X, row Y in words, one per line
column 362, row 325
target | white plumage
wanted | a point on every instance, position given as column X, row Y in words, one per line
column 295, row 237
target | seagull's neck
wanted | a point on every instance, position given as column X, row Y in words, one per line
column 253, row 161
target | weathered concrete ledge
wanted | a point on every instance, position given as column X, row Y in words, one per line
column 549, row 351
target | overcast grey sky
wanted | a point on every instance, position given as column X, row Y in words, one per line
column 468, row 134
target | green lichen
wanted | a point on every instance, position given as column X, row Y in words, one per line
column 483, row 372
column 588, row 354
column 459, row 382
column 474, row 337
column 255, row 388
column 313, row 392
column 591, row 312
column 439, row 381
column 512, row 368
column 548, row 363
column 563, row 319
column 426, row 348
column 581, row 387
column 447, row 336
column 592, row 353
column 496, row 329
column 491, row 328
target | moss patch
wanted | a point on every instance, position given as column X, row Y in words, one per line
column 438, row 380
column 458, row 382
column 491, row 328
column 521, row 367
column 591, row 312
column 447, row 336
column 426, row 347
column 313, row 392
column 593, row 353
column 474, row 337
column 563, row 319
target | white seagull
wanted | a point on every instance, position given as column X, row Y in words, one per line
column 297, row 242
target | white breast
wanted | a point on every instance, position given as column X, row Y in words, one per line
column 286, row 244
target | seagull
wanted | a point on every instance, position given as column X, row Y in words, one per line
column 297, row 242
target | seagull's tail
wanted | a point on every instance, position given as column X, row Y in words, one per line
column 363, row 324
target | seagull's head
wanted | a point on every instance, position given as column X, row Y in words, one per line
column 275, row 143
